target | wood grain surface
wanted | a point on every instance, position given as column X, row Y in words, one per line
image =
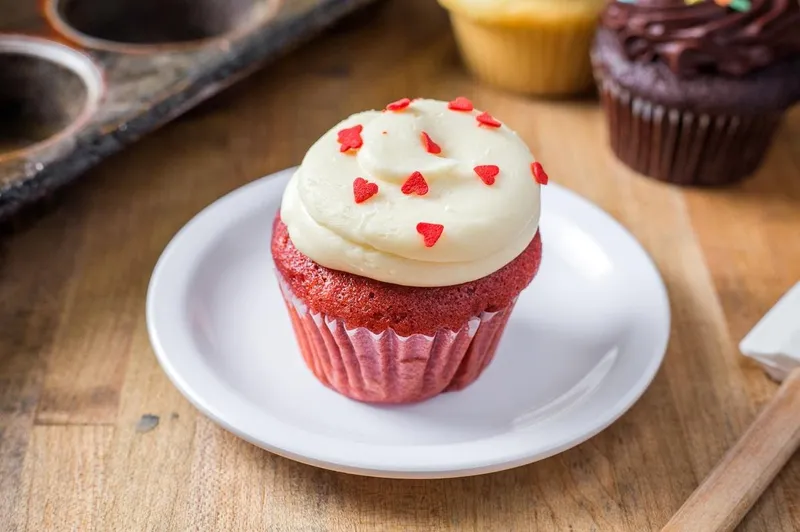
column 94, row 437
column 748, row 468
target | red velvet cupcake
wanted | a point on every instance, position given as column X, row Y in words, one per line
column 402, row 244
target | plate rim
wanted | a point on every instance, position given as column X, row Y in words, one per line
column 332, row 461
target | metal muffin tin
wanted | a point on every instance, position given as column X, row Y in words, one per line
column 81, row 79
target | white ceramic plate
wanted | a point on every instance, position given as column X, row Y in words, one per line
column 584, row 342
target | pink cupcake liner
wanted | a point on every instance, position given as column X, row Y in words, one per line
column 387, row 367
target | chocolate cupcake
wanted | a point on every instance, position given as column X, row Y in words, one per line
column 403, row 241
column 693, row 92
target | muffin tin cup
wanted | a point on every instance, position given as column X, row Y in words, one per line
column 683, row 147
column 387, row 367
column 143, row 26
column 543, row 59
column 48, row 92
column 102, row 74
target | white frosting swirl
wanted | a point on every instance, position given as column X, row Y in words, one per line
column 485, row 227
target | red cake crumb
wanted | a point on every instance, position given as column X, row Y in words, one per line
column 364, row 302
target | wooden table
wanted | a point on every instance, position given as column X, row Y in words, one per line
column 77, row 373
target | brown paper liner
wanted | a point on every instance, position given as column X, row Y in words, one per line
column 683, row 147
column 387, row 367
column 545, row 59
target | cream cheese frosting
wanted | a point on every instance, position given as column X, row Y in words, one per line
column 483, row 227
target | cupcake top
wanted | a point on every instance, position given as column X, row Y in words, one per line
column 701, row 37
column 425, row 193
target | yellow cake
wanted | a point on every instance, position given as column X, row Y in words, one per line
column 536, row 47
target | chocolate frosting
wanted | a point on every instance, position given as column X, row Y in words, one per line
column 706, row 38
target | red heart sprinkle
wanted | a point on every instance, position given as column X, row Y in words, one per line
column 487, row 173
column 399, row 105
column 363, row 189
column 431, row 146
column 488, row 120
column 350, row 138
column 539, row 174
column 430, row 233
column 415, row 184
column 460, row 104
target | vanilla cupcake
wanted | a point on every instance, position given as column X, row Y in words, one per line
column 538, row 47
column 402, row 243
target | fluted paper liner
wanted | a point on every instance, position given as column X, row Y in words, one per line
column 547, row 58
column 387, row 367
column 681, row 146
